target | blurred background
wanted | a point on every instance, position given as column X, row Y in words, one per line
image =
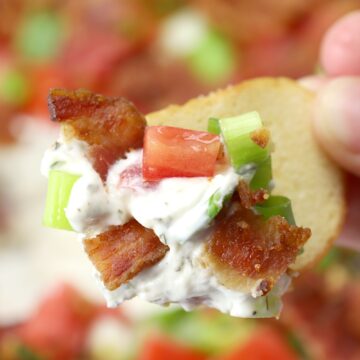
column 154, row 52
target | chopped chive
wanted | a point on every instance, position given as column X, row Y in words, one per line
column 213, row 126
column 241, row 149
column 39, row 36
column 263, row 175
column 214, row 59
column 331, row 258
column 24, row 353
column 297, row 345
column 14, row 87
column 216, row 203
column 276, row 205
column 59, row 190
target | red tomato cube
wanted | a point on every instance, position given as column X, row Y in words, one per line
column 264, row 344
column 175, row 152
column 163, row 348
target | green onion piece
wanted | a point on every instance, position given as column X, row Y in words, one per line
column 24, row 353
column 331, row 258
column 216, row 203
column 214, row 59
column 276, row 205
column 59, row 189
column 212, row 335
column 241, row 149
column 267, row 306
column 213, row 126
column 40, row 36
column 297, row 345
column 14, row 87
column 263, row 176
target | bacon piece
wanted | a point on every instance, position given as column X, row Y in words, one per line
column 122, row 252
column 248, row 197
column 102, row 158
column 97, row 119
column 261, row 137
column 253, row 247
column 111, row 124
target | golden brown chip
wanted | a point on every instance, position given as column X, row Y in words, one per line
column 286, row 111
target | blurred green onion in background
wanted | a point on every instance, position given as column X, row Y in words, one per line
column 39, row 36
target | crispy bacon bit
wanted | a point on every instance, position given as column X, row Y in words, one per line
column 260, row 137
column 112, row 123
column 97, row 119
column 265, row 286
column 102, row 158
column 253, row 247
column 222, row 160
column 122, row 252
column 249, row 198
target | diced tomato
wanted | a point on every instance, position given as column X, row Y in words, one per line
column 59, row 328
column 264, row 344
column 163, row 348
column 132, row 178
column 175, row 152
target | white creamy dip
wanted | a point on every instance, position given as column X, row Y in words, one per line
column 177, row 211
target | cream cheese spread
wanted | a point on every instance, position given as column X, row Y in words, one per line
column 176, row 209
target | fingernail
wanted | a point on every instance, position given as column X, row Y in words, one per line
column 338, row 111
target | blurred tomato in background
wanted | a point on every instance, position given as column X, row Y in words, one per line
column 154, row 52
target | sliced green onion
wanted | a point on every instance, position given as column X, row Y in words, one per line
column 14, row 87
column 331, row 258
column 241, row 149
column 59, row 189
column 263, row 176
column 24, row 353
column 216, row 203
column 39, row 36
column 214, row 59
column 213, row 126
column 277, row 205
column 268, row 306
column 211, row 335
column 297, row 345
